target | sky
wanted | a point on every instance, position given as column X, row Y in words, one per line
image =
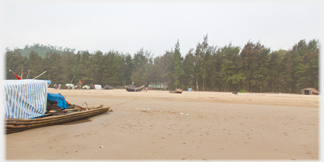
column 156, row 27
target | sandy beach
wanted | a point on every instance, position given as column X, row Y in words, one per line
column 187, row 126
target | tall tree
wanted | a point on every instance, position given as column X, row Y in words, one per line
column 251, row 57
column 189, row 70
column 129, row 68
column 222, row 69
column 139, row 77
column 177, row 68
column 34, row 64
column 15, row 62
column 166, row 63
column 231, row 76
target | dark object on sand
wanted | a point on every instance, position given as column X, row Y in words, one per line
column 107, row 87
column 92, row 86
column 176, row 91
column 234, row 92
column 52, row 105
column 310, row 91
column 75, row 113
column 132, row 88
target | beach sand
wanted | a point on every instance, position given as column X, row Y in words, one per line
column 187, row 126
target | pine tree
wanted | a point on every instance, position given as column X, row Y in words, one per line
column 177, row 68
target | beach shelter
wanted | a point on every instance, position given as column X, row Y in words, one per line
column 86, row 87
column 70, row 86
column 310, row 91
column 24, row 99
column 97, row 87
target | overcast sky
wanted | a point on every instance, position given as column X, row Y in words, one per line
column 127, row 27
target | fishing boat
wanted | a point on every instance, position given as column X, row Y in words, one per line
column 28, row 105
column 133, row 88
column 53, row 117
column 176, row 91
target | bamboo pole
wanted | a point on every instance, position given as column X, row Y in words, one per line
column 22, row 73
column 39, row 75
column 19, row 126
column 50, row 122
column 10, row 119
column 14, row 121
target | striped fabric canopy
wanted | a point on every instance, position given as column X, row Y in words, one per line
column 25, row 99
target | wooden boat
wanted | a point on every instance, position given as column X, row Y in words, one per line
column 176, row 91
column 17, row 125
column 132, row 88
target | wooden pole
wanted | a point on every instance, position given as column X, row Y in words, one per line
column 40, row 75
column 28, row 73
column 22, row 73
column 72, row 79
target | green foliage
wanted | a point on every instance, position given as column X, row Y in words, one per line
column 253, row 68
column 177, row 69
column 42, row 50
column 242, row 90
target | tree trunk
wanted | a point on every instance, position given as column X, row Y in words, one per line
column 248, row 83
column 203, row 84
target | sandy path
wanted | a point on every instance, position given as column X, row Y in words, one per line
column 219, row 126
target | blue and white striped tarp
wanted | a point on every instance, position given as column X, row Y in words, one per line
column 25, row 99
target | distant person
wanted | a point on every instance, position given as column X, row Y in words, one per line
column 59, row 86
column 55, row 86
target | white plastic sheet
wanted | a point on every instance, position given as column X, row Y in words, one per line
column 98, row 87
column 25, row 99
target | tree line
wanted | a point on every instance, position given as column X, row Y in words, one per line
column 253, row 68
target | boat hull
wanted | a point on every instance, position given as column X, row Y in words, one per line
column 137, row 89
column 176, row 91
column 17, row 125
